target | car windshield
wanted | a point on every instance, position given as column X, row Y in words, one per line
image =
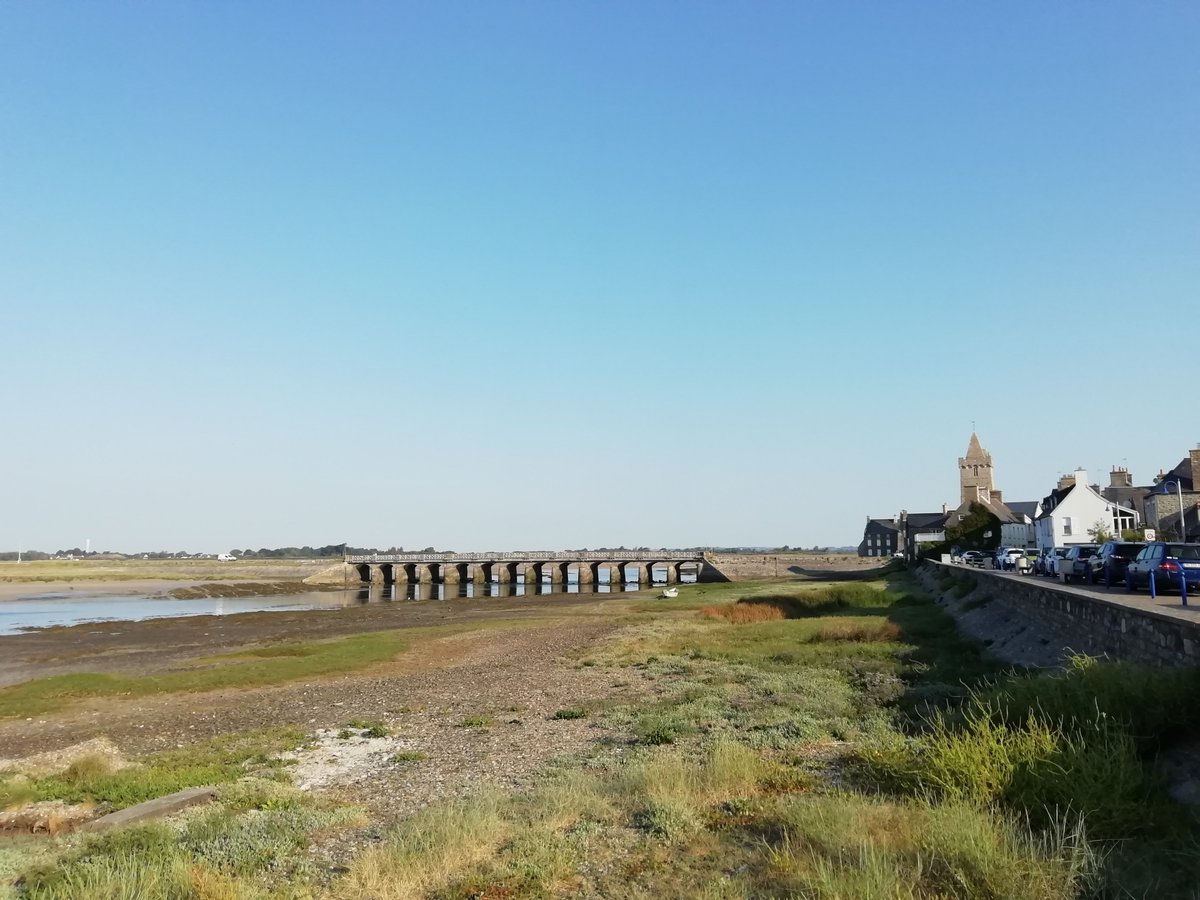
column 1183, row 551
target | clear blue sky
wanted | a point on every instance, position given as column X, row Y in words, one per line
column 500, row 275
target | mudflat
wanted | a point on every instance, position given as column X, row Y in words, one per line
column 169, row 644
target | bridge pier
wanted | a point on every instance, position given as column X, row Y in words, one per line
column 501, row 572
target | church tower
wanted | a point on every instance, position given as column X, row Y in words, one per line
column 975, row 473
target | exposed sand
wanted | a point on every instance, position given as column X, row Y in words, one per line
column 35, row 589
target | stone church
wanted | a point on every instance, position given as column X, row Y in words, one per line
column 885, row 537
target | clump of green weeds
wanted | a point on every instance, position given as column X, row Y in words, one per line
column 207, row 853
column 218, row 761
column 370, row 729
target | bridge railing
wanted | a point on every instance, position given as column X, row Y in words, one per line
column 534, row 556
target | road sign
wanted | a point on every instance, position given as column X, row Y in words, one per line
column 1150, row 535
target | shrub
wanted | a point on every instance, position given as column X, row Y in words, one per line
column 572, row 713
column 656, row 729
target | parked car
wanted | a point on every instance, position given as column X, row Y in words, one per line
column 1171, row 563
column 1051, row 559
column 1108, row 565
column 1074, row 564
column 1006, row 557
column 973, row 558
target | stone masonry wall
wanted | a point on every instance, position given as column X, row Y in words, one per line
column 752, row 566
column 1097, row 625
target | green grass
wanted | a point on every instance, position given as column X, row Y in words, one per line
column 253, row 839
column 574, row 712
column 257, row 667
column 840, row 742
column 370, row 729
column 1028, row 785
column 214, row 762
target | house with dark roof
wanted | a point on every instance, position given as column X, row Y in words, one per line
column 1174, row 494
column 881, row 537
column 1074, row 510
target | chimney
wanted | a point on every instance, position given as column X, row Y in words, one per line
column 1081, row 477
column 997, row 496
column 944, row 510
column 1119, row 477
column 1194, row 456
column 1065, row 481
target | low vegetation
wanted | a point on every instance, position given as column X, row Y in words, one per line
column 96, row 779
column 843, row 741
column 256, row 833
column 275, row 664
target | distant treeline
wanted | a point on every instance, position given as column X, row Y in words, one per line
column 329, row 550
column 335, row 551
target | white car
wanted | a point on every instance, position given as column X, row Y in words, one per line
column 1006, row 557
column 1050, row 560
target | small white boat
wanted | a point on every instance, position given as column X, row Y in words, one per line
column 668, row 593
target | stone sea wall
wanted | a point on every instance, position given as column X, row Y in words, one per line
column 1120, row 626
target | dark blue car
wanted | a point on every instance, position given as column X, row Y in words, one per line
column 1169, row 562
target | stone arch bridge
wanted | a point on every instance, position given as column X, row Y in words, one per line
column 556, row 566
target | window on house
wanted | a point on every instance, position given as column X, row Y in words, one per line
column 1066, row 525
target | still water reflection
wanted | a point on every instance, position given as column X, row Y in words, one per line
column 61, row 609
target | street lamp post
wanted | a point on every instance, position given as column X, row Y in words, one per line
column 1179, row 487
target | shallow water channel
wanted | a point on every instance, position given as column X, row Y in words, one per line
column 47, row 609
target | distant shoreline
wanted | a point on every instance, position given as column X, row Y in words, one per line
column 18, row 590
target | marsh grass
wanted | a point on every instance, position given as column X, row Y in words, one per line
column 721, row 784
column 722, row 795
column 1150, row 704
column 254, row 667
column 842, row 845
column 224, row 851
column 428, row 849
column 214, row 762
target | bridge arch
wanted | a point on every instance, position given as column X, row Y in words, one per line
column 635, row 571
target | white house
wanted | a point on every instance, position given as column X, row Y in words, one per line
column 1074, row 508
column 1022, row 530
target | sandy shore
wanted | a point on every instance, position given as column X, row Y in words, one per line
column 34, row 589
